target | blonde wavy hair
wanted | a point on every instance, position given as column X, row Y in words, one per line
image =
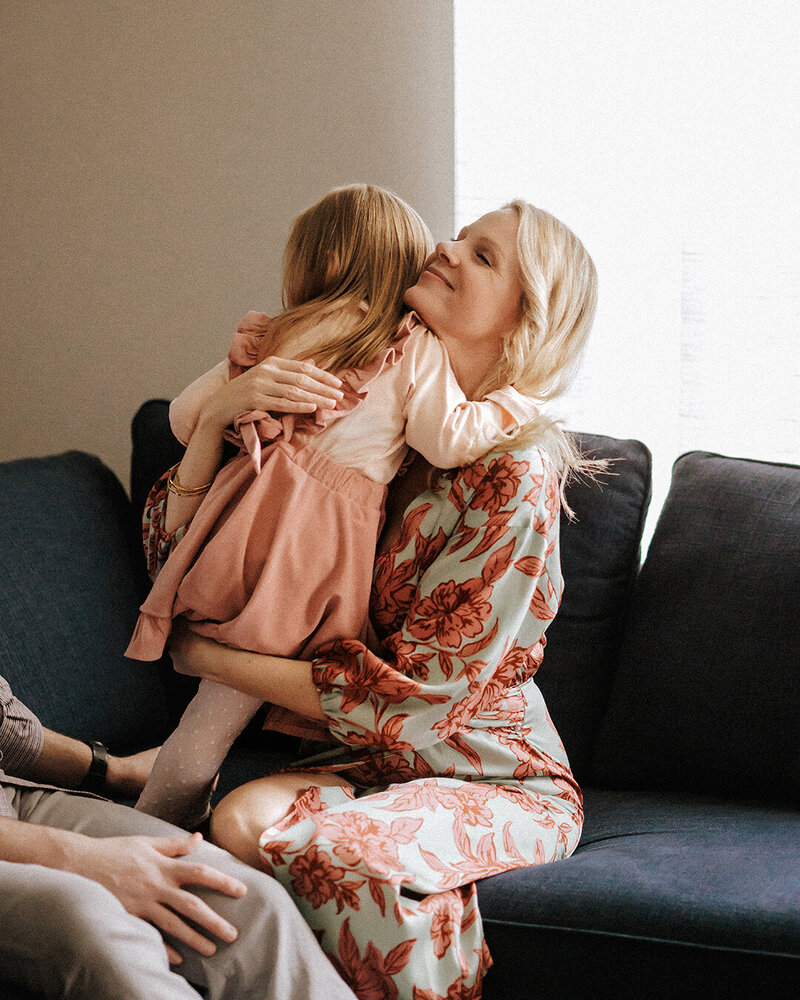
column 541, row 357
column 357, row 244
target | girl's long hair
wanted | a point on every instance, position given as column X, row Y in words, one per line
column 357, row 245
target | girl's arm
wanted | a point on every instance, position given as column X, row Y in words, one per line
column 277, row 385
column 444, row 426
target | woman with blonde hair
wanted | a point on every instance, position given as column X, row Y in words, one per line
column 280, row 552
column 445, row 766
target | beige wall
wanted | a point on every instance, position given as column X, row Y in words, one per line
column 154, row 155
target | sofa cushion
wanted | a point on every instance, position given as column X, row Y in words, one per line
column 697, row 895
column 72, row 580
column 707, row 696
column 154, row 449
column 600, row 559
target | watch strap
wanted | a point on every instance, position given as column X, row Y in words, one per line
column 95, row 780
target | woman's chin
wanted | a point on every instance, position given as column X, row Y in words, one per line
column 416, row 299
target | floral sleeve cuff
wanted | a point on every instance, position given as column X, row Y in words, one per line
column 158, row 543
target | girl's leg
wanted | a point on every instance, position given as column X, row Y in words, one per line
column 180, row 785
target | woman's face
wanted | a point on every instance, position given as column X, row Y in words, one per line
column 470, row 291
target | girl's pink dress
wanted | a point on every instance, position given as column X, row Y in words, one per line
column 278, row 557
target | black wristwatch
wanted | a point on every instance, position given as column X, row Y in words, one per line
column 95, row 780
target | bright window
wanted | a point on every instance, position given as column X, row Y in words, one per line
column 668, row 137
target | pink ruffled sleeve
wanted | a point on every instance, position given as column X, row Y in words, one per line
column 444, row 426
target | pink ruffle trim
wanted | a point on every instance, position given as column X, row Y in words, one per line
column 149, row 638
column 251, row 430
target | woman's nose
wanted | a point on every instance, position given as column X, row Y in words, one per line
column 446, row 249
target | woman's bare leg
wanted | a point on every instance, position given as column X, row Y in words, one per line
column 242, row 816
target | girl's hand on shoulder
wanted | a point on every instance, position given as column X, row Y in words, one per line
column 279, row 385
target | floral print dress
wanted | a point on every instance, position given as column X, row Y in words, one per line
column 456, row 768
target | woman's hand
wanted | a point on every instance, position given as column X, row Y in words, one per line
column 276, row 384
column 186, row 649
column 276, row 679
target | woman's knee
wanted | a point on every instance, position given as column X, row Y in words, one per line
column 242, row 816
column 239, row 819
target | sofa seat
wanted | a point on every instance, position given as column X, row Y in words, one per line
column 703, row 891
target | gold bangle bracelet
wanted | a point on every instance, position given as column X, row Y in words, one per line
column 174, row 485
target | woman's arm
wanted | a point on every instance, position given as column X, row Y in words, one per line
column 474, row 625
column 465, row 613
column 274, row 679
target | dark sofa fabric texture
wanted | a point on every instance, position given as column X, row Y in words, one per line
column 600, row 553
column 72, row 579
column 707, row 694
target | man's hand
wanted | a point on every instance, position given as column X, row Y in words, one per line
column 148, row 875
column 127, row 776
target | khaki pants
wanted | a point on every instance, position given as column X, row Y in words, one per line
column 63, row 935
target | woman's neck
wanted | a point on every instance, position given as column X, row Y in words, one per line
column 471, row 364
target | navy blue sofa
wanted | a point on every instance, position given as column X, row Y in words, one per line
column 674, row 686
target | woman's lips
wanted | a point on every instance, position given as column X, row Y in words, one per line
column 437, row 274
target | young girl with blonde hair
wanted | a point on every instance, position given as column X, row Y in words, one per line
column 280, row 552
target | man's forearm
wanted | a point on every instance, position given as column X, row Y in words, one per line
column 63, row 761
column 29, row 843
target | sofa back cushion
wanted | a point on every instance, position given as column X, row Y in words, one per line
column 600, row 559
column 707, row 696
column 154, row 449
column 72, row 577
